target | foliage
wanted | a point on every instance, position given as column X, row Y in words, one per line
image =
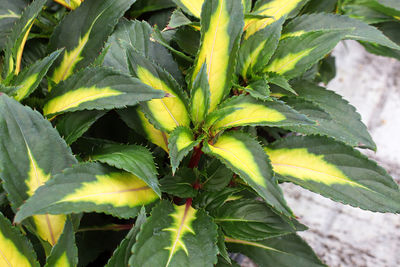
column 168, row 126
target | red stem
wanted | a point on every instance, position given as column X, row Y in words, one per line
column 195, row 159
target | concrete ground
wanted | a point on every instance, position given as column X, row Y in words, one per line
column 342, row 235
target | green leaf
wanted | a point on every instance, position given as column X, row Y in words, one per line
column 180, row 184
column 73, row 125
column 122, row 254
column 17, row 39
column 217, row 177
column 15, row 248
column 90, row 187
column 271, row 11
column 10, row 12
column 221, row 28
column 137, row 34
column 285, row 251
column 256, row 51
column 297, row 53
column 210, row 201
column 178, row 19
column 9, row 90
column 250, row 220
column 280, row 81
column 70, row 4
column 176, row 236
column 259, row 89
column 200, row 96
column 28, row 160
column 181, row 141
column 65, row 252
column 356, row 30
column 29, row 79
column 143, row 6
column 97, row 88
column 344, row 123
column 245, row 156
column 336, row 171
column 82, row 33
column 166, row 113
column 250, row 111
column 137, row 160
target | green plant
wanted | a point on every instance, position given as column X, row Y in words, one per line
column 173, row 143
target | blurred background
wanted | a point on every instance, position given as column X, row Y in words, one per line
column 343, row 235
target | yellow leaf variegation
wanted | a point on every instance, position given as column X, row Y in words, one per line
column 275, row 9
column 118, row 189
column 334, row 170
column 193, row 7
column 168, row 112
column 246, row 110
column 154, row 135
column 246, row 157
column 71, row 4
column 15, row 249
column 94, row 188
column 175, row 235
column 221, row 27
column 74, row 98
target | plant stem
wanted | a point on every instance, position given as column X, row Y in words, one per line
column 195, row 159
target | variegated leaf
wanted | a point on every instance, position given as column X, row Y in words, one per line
column 10, row 12
column 250, row 111
column 176, row 236
column 245, row 156
column 17, row 39
column 221, row 28
column 82, row 33
column 168, row 112
column 200, row 97
column 65, row 252
column 274, row 10
column 71, row 4
column 97, row 88
column 180, row 143
column 90, row 187
column 15, row 249
column 136, row 120
column 335, row 170
column 27, row 161
column 193, row 7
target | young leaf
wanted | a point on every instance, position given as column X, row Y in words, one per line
column 356, row 30
column 15, row 248
column 122, row 254
column 181, row 141
column 285, row 251
column 138, row 35
column 296, row 54
column 17, row 39
column 136, row 120
column 259, row 89
column 256, row 51
column 176, row 236
column 250, row 220
column 82, row 33
column 28, row 160
column 90, row 187
column 245, row 157
column 336, row 171
column 137, row 160
column 280, row 81
column 98, row 88
column 73, row 125
column 250, row 111
column 221, row 28
column 344, row 123
column 218, row 176
column 166, row 113
column 29, row 79
column 273, row 10
column 65, row 252
column 210, row 201
column 200, row 96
